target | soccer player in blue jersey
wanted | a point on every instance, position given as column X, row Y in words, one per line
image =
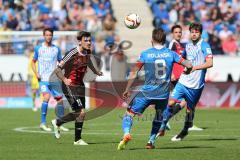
column 157, row 62
column 47, row 55
column 190, row 87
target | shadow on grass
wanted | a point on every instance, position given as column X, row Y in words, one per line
column 183, row 147
column 215, row 139
column 103, row 142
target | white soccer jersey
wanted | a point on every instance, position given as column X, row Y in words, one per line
column 47, row 58
column 197, row 54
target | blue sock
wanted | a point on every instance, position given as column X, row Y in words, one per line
column 44, row 112
column 167, row 114
column 59, row 111
column 127, row 124
column 155, row 128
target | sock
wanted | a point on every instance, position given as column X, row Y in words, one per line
column 155, row 128
column 33, row 98
column 127, row 124
column 78, row 130
column 177, row 107
column 188, row 121
column 59, row 111
column 167, row 114
column 67, row 118
column 44, row 112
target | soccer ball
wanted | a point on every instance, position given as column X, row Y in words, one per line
column 132, row 21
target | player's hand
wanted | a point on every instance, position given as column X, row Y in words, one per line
column 38, row 77
column 100, row 73
column 193, row 69
column 67, row 81
column 187, row 70
column 173, row 78
column 126, row 94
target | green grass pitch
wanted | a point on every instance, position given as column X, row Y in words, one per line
column 21, row 139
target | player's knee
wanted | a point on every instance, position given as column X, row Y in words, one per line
column 46, row 97
column 59, row 100
column 129, row 113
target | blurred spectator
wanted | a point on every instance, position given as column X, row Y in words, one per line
column 225, row 33
column 229, row 46
column 219, row 18
column 119, row 66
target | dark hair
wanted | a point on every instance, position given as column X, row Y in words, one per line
column 175, row 26
column 81, row 34
column 196, row 26
column 158, row 35
column 47, row 29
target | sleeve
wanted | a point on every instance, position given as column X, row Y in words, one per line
column 59, row 56
column 177, row 58
column 35, row 55
column 207, row 51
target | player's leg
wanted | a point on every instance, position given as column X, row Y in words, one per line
column 192, row 98
column 176, row 97
column 34, row 87
column 44, row 108
column 136, row 107
column 57, row 93
column 160, row 105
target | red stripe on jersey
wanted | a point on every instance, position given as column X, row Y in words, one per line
column 139, row 64
column 209, row 56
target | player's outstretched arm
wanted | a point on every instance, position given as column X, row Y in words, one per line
column 132, row 77
column 91, row 66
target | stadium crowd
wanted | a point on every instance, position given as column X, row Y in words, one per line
column 220, row 19
column 95, row 16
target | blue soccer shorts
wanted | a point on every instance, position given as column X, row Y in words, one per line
column 191, row 96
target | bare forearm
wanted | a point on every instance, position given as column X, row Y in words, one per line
column 34, row 69
column 203, row 66
column 132, row 78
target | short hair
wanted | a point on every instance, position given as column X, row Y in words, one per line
column 196, row 26
column 175, row 26
column 47, row 29
column 81, row 34
column 159, row 35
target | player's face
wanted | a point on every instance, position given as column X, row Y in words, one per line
column 48, row 36
column 86, row 43
column 195, row 34
column 177, row 34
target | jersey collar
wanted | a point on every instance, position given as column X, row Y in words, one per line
column 44, row 45
column 198, row 43
column 158, row 46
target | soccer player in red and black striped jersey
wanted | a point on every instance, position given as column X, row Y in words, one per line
column 75, row 64
column 178, row 47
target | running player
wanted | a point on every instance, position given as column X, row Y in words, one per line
column 157, row 62
column 189, row 87
column 47, row 55
column 178, row 47
column 75, row 64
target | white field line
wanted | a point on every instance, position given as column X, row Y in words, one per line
column 106, row 132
